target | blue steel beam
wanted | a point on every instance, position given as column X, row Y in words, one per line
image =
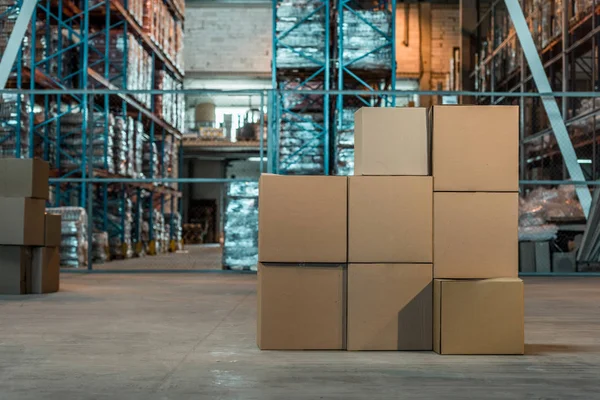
column 550, row 105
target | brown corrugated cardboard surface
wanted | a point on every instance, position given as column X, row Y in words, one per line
column 22, row 221
column 301, row 307
column 479, row 316
column 15, row 270
column 391, row 141
column 21, row 177
column 303, row 219
column 475, row 235
column 52, row 236
column 389, row 307
column 45, row 270
column 476, row 148
column 390, row 219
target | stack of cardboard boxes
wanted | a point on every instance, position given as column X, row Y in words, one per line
column 29, row 238
column 394, row 258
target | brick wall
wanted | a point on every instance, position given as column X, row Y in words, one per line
column 228, row 39
column 445, row 35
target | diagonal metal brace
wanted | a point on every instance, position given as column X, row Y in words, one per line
column 15, row 40
column 556, row 119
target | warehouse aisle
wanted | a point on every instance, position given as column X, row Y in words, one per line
column 192, row 336
column 198, row 257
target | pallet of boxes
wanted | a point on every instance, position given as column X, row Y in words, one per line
column 29, row 238
column 416, row 251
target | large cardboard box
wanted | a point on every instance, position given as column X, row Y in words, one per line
column 52, row 231
column 45, row 270
column 303, row 219
column 15, row 270
column 21, row 177
column 22, row 221
column 390, row 219
column 391, row 141
column 476, row 148
column 390, row 307
column 301, row 307
column 476, row 235
column 478, row 316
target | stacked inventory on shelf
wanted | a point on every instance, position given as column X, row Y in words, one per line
column 29, row 240
column 74, row 243
column 240, row 246
column 99, row 152
column 565, row 51
column 344, row 143
column 14, row 126
column 382, row 246
column 164, row 30
column 100, row 247
column 170, row 106
column 174, row 224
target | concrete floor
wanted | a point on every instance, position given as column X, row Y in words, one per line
column 192, row 336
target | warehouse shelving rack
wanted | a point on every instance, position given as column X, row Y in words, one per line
column 76, row 25
column 333, row 70
column 313, row 72
column 567, row 37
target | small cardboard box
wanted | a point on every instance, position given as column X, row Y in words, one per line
column 301, row 307
column 20, row 177
column 15, row 270
column 390, row 219
column 52, row 235
column 478, row 316
column 390, row 307
column 45, row 270
column 303, row 219
column 22, row 221
column 476, row 148
column 391, row 141
column 476, row 235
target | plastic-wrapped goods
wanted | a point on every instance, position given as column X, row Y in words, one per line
column 14, row 124
column 240, row 247
column 120, row 220
column 304, row 45
column 360, row 38
column 302, row 102
column 150, row 161
column 120, row 146
column 138, row 146
column 542, row 206
column 301, row 144
column 100, row 247
column 164, row 30
column 74, row 244
column 344, row 164
column 100, row 127
column 130, row 147
column 158, row 230
column 170, row 106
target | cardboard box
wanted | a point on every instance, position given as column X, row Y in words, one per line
column 390, row 307
column 476, row 235
column 301, row 307
column 22, row 221
column 390, row 219
column 391, row 141
column 476, row 148
column 15, row 270
column 45, row 270
column 303, row 219
column 20, row 177
column 478, row 316
column 52, row 235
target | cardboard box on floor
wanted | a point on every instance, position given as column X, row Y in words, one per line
column 45, row 270
column 15, row 269
column 475, row 148
column 475, row 235
column 301, row 307
column 390, row 307
column 478, row 316
column 52, row 235
column 391, row 141
column 20, row 177
column 303, row 219
column 22, row 221
column 390, row 219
